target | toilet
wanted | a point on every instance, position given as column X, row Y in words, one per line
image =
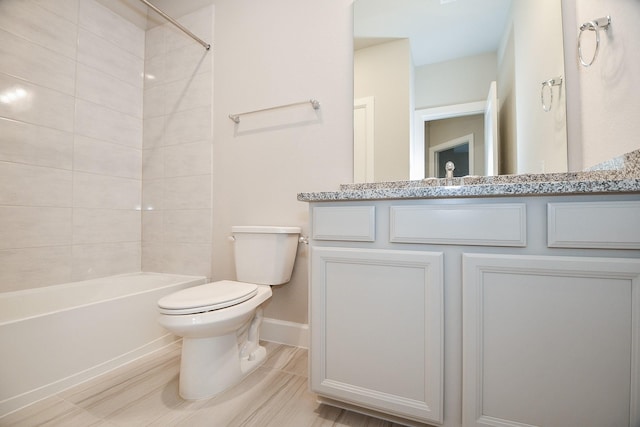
column 219, row 322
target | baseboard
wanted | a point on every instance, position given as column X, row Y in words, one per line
column 283, row 332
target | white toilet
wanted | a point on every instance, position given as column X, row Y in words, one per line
column 220, row 321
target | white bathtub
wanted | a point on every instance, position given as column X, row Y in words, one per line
column 54, row 337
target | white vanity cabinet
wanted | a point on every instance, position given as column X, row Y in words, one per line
column 377, row 317
column 554, row 339
column 550, row 341
column 511, row 311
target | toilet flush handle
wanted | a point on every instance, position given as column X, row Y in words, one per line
column 304, row 239
column 231, row 238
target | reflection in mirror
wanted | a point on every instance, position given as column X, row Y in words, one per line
column 418, row 62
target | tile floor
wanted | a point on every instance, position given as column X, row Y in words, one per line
column 145, row 393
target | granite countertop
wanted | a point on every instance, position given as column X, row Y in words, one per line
column 619, row 175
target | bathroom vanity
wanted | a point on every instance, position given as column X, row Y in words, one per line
column 505, row 301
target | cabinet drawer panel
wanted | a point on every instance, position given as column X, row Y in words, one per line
column 352, row 223
column 481, row 224
column 611, row 225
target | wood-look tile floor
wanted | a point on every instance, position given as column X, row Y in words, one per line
column 145, row 393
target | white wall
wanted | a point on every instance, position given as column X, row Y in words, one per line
column 268, row 54
column 384, row 72
column 450, row 82
column 606, row 95
column 70, row 143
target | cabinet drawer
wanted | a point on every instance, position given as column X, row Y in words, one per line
column 351, row 223
column 610, row 225
column 480, row 224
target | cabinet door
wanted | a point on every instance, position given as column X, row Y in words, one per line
column 550, row 341
column 376, row 329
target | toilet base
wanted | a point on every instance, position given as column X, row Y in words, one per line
column 210, row 366
column 251, row 363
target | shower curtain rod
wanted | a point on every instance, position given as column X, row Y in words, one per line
column 177, row 24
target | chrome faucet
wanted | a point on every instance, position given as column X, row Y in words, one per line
column 449, row 168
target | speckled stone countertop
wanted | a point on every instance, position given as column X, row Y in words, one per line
column 619, row 175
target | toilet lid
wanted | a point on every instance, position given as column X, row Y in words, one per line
column 207, row 297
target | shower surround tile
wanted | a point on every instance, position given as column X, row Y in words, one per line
column 99, row 122
column 36, row 104
column 25, row 227
column 110, row 26
column 98, row 53
column 189, row 93
column 105, row 158
column 186, row 258
column 186, row 62
column 153, row 101
column 25, row 185
column 187, row 226
column 153, row 163
column 178, row 128
column 177, row 97
column 67, row 9
column 177, row 138
column 189, row 192
column 152, row 227
column 188, row 126
column 152, row 255
column 25, row 268
column 188, row 159
column 104, row 259
column 153, row 195
column 154, row 41
column 198, row 22
column 153, row 133
column 105, row 192
column 190, row 258
column 26, row 19
column 29, row 61
column 100, row 88
column 154, row 71
column 106, row 226
column 35, row 145
column 70, row 141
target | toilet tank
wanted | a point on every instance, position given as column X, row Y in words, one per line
column 265, row 254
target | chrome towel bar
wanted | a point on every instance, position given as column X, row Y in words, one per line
column 314, row 103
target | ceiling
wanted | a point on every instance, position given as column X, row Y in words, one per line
column 439, row 30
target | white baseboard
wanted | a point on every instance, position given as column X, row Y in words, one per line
column 283, row 332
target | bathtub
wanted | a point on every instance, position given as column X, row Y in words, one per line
column 54, row 337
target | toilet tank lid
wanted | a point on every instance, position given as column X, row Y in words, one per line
column 264, row 229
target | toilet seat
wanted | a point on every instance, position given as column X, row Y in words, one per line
column 207, row 297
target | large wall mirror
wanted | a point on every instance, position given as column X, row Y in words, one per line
column 429, row 73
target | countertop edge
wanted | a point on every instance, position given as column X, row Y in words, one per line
column 606, row 186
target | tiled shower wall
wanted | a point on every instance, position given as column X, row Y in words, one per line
column 177, row 199
column 70, row 142
column 75, row 144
